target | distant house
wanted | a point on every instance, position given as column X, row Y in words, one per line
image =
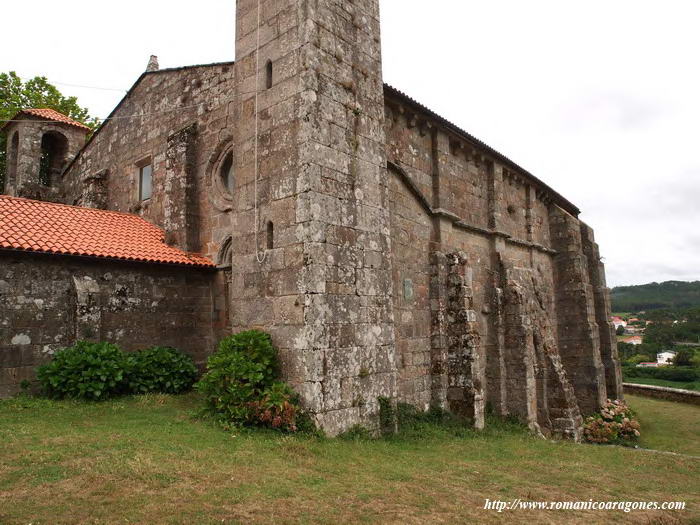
column 618, row 321
column 648, row 365
column 632, row 339
column 665, row 358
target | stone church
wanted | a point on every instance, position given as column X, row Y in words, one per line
column 388, row 252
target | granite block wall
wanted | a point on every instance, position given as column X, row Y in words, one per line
column 48, row 302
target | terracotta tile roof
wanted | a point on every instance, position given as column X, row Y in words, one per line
column 45, row 227
column 50, row 114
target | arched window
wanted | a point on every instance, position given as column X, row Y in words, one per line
column 225, row 257
column 270, row 235
column 226, row 173
column 268, row 74
column 54, row 148
column 225, row 263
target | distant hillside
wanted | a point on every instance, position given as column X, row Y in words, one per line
column 652, row 296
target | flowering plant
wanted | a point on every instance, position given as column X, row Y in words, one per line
column 278, row 408
column 614, row 424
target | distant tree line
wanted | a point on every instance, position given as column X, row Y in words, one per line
column 655, row 296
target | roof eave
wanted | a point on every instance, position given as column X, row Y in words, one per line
column 93, row 258
column 558, row 198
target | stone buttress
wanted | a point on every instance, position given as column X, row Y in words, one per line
column 317, row 217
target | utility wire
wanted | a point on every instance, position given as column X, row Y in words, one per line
column 78, row 85
column 91, row 87
column 140, row 115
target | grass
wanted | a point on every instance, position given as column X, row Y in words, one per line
column 148, row 460
column 693, row 385
column 666, row 425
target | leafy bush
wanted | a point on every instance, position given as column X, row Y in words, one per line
column 614, row 424
column 240, row 373
column 278, row 408
column 639, row 358
column 669, row 373
column 85, row 370
column 159, row 369
column 99, row 371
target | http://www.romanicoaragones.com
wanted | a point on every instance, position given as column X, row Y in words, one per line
column 625, row 506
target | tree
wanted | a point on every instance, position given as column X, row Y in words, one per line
column 683, row 358
column 37, row 92
column 640, row 358
column 695, row 361
column 662, row 334
column 620, row 330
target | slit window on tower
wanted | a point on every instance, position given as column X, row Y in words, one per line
column 270, row 235
column 268, row 74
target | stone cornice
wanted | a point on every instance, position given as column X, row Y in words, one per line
column 457, row 221
column 398, row 103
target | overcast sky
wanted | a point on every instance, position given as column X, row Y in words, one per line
column 599, row 99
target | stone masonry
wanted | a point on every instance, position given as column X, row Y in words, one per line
column 49, row 302
column 389, row 253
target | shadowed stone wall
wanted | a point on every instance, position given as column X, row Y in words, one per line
column 529, row 295
column 48, row 302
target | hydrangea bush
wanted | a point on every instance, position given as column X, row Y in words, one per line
column 93, row 371
column 614, row 424
column 242, row 387
column 97, row 371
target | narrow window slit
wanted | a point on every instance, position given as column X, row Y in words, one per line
column 270, row 235
column 268, row 74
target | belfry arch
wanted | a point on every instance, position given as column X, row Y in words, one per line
column 54, row 151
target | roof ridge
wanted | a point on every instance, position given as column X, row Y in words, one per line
column 126, row 96
column 191, row 66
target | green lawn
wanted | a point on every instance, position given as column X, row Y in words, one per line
column 148, row 460
column 695, row 385
column 667, row 425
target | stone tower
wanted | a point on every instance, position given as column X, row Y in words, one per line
column 40, row 144
column 311, row 234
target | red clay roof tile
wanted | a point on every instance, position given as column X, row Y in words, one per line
column 58, row 228
column 50, row 114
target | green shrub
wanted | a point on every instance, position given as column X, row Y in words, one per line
column 675, row 373
column 639, row 358
column 387, row 416
column 614, row 424
column 669, row 373
column 238, row 374
column 278, row 408
column 159, row 369
column 356, row 433
column 85, row 370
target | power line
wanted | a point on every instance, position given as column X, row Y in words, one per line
column 91, row 87
column 138, row 115
column 78, row 85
